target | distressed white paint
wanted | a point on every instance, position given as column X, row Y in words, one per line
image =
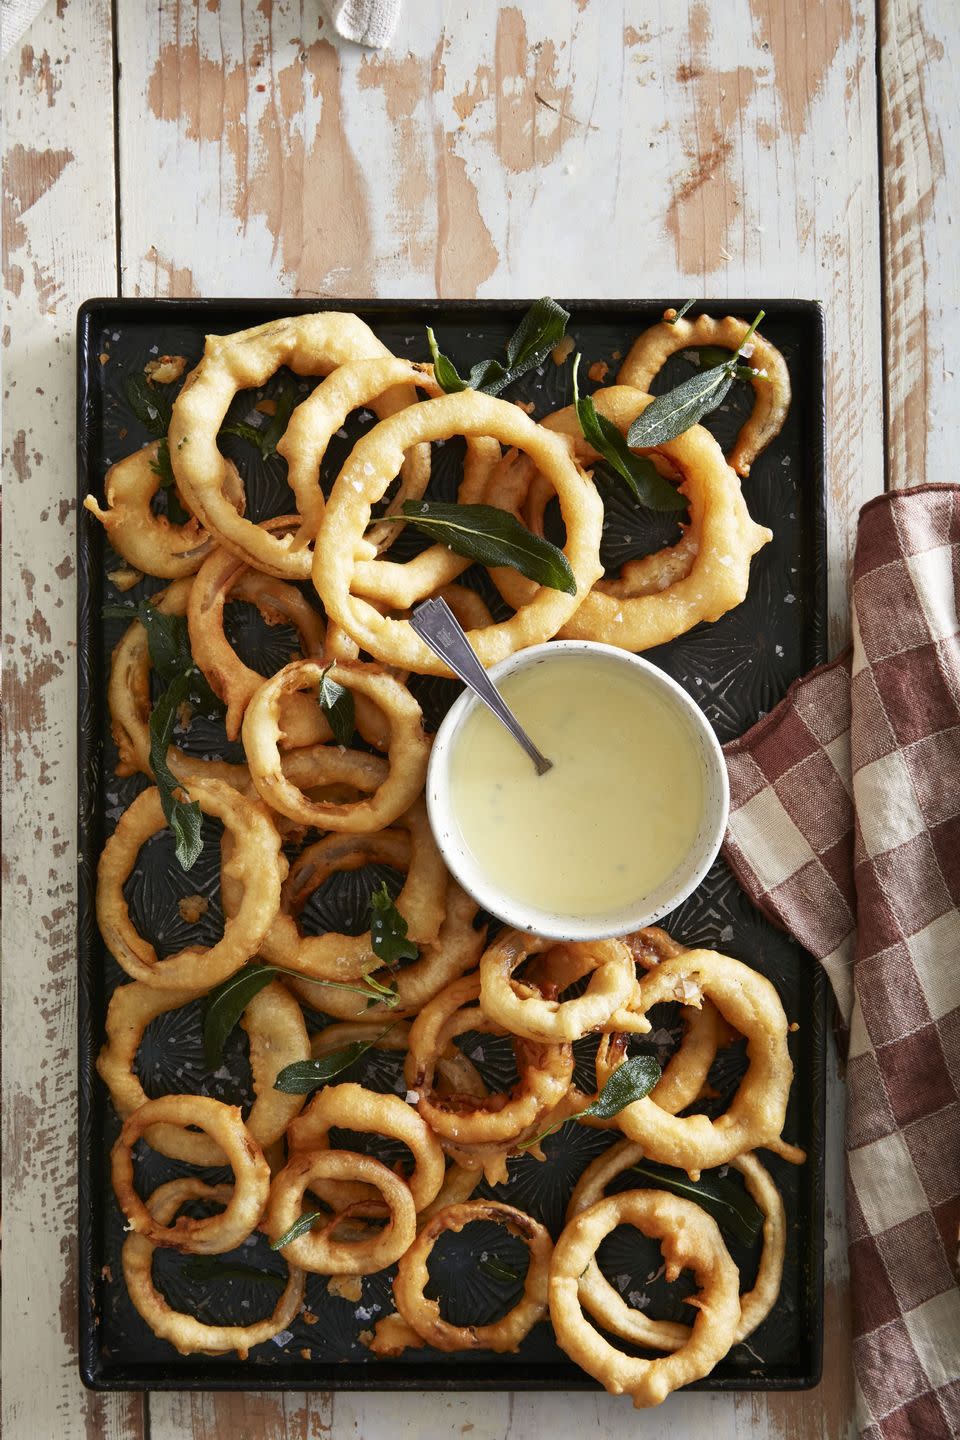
column 797, row 198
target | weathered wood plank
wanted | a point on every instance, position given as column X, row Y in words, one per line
column 920, row 109
column 59, row 248
column 581, row 149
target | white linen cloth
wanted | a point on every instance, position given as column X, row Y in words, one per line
column 366, row 22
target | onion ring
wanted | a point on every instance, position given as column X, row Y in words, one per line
column 423, row 1315
column 278, row 1037
column 606, row 1304
column 749, row 1002
column 522, row 1009
column 251, row 1175
column 545, row 1074
column 408, row 747
column 651, row 350
column 309, row 345
column 351, row 1107
column 148, row 541
column 256, row 864
column 318, row 1251
column 689, row 1239
column 657, row 600
column 367, row 474
column 184, row 1332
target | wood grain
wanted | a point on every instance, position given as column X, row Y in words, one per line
column 920, row 111
column 59, row 248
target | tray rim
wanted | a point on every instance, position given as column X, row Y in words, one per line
column 95, row 1373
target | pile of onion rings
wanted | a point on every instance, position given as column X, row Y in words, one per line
column 306, row 799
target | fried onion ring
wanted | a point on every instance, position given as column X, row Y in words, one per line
column 186, row 1333
column 658, row 599
column 408, row 747
column 689, row 1239
column 319, row 1251
column 351, row 1107
column 255, row 864
column 146, row 540
column 278, row 1036
column 522, row 1009
column 605, row 1303
column 308, row 345
column 750, row 1003
column 423, row 1315
column 367, row 474
column 251, row 1175
column 651, row 351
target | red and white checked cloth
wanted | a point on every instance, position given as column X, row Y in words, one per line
column 845, row 830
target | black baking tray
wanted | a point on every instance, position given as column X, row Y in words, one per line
column 737, row 669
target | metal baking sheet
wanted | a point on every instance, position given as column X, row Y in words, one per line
column 736, row 669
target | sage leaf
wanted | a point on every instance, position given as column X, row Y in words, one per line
column 298, row 1228
column 226, row 1004
column 711, row 355
column 681, row 312
column 638, row 472
column 161, row 465
column 498, row 1269
column 540, row 331
column 388, row 930
column 673, row 413
column 152, row 404
column 631, row 1081
column 493, row 537
column 730, row 1205
column 305, row 1076
column 266, row 437
column 336, row 702
column 204, row 1268
column 183, row 816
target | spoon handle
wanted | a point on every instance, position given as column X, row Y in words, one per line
column 439, row 628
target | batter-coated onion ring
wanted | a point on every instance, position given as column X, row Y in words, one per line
column 278, row 1036
column 152, row 542
column 545, row 1074
column 605, row 1303
column 750, row 1003
column 638, row 611
column 352, row 1107
column 503, row 1335
column 364, row 479
column 651, row 350
column 215, row 1234
column 408, row 747
column 222, row 577
column 256, row 866
column 319, row 1251
column 128, row 698
column 309, row 345
column 689, row 1239
column 523, row 1010
column 184, row 1332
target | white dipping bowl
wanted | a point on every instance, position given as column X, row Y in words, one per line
column 646, row 909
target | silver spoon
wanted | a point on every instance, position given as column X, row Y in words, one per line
column 439, row 628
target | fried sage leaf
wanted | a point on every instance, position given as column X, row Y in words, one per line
column 298, row 1228
column 305, row 1076
column 336, row 702
column 498, row 1269
column 637, row 471
column 631, row 1081
column 673, row 413
column 730, row 1205
column 493, row 537
column 540, row 331
column 388, row 929
column 226, row 1004
column 176, row 513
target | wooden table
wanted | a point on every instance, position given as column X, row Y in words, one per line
column 572, row 147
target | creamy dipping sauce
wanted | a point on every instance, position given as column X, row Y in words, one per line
column 613, row 819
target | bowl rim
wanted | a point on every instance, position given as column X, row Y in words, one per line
column 531, row 919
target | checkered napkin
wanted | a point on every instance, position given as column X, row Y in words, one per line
column 845, row 830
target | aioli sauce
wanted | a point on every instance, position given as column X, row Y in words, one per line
column 615, row 816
